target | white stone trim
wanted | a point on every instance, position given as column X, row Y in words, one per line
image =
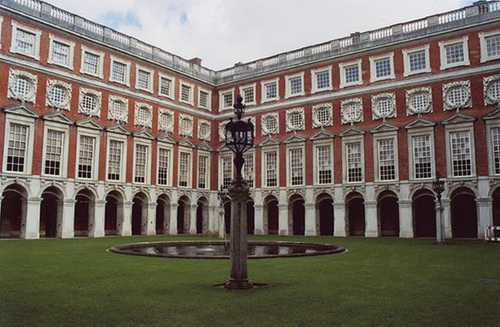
column 36, row 47
column 449, row 87
column 189, row 170
column 165, row 125
column 150, row 79
column 424, row 131
column 96, row 111
column 207, row 173
column 66, row 105
column 456, row 128
column 349, row 117
column 376, row 159
column 189, row 130
column 222, row 130
column 100, row 66
column 321, row 143
column 65, row 148
column 201, row 123
column 406, row 61
column 343, row 66
column 263, row 166
column 209, row 99
column 95, row 159
column 315, row 111
column 148, row 144
column 242, row 93
column 410, row 109
column 488, row 82
column 289, row 124
column 123, row 163
column 289, row 148
column 314, row 80
column 222, row 105
column 30, row 78
column 373, row 67
column 191, row 92
column 376, row 99
column 266, row 130
column 482, row 41
column 71, row 52
column 263, row 84
column 349, row 140
column 127, row 73
column 124, row 115
column 170, row 150
column 171, row 96
column 442, row 51
column 25, row 121
column 146, row 122
column 288, row 89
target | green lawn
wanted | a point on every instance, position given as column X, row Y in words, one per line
column 379, row 282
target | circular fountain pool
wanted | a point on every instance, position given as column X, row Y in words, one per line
column 220, row 250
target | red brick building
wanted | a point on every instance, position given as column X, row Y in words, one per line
column 104, row 134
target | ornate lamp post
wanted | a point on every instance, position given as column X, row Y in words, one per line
column 239, row 138
column 438, row 187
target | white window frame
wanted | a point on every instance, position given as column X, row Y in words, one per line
column 289, row 149
column 249, row 86
column 148, row 145
column 24, row 121
column 127, row 73
column 482, row 42
column 263, row 84
column 288, row 86
column 209, row 99
column 457, row 128
column 1, row 27
column 380, row 137
column 373, row 67
column 207, row 172
column 65, row 148
column 442, row 50
column 490, row 125
column 189, row 170
column 222, row 105
column 314, row 79
column 172, row 88
column 345, row 169
column 191, row 93
column 342, row 68
column 150, row 80
column 36, row 47
column 316, row 145
column 225, row 155
column 252, row 153
column 170, row 149
column 406, row 60
column 425, row 131
column 123, row 163
column 100, row 66
column 95, row 159
column 263, row 166
column 71, row 52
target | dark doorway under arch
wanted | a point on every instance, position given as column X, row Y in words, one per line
column 463, row 215
column 356, row 215
column 250, row 218
column 424, row 215
column 299, row 217
column 272, row 216
column 326, row 219
column 388, row 210
column 13, row 211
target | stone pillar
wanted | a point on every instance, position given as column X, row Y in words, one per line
column 484, row 216
column 125, row 223
column 284, row 225
column 440, row 236
column 150, row 219
column 310, row 219
column 238, row 278
column 192, row 219
column 173, row 219
column 371, row 216
column 66, row 218
column 405, row 219
column 259, row 219
column 30, row 228
column 447, row 218
column 98, row 221
column 339, row 222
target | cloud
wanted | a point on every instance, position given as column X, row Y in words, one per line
column 223, row 32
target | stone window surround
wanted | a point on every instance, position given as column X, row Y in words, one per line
column 385, row 136
column 353, row 139
column 71, row 52
column 123, row 162
column 442, row 51
column 263, row 84
column 321, row 143
column 425, row 131
column 265, row 150
column 65, row 147
column 482, row 41
column 373, row 69
column 343, row 66
column 289, row 148
column 288, row 88
column 191, row 92
column 100, row 66
column 95, row 167
column 209, row 99
column 151, row 78
column 25, row 121
column 207, row 171
column 247, row 86
column 314, row 80
column 148, row 145
column 222, row 105
column 170, row 149
column 454, row 128
column 37, row 33
column 406, row 61
column 172, row 86
column 127, row 73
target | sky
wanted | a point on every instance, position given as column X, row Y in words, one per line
column 224, row 32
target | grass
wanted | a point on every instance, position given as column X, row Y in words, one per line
column 379, row 282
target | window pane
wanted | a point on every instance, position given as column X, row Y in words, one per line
column 86, row 157
column 53, row 152
column 16, row 151
column 115, row 160
column 324, row 162
column 422, row 156
column 386, row 156
column 141, row 158
column 163, row 161
column 354, row 172
column 184, row 162
column 461, row 154
column 271, row 169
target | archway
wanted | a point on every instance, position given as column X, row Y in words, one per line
column 324, row 214
column 139, row 213
column 388, row 211
column 250, row 217
column 51, row 210
column 298, row 210
column 496, row 210
column 463, row 214
column 84, row 212
column 13, row 214
column 202, row 216
column 183, row 217
column 227, row 216
column 355, row 207
column 424, row 214
column 271, row 214
column 113, row 213
column 162, row 215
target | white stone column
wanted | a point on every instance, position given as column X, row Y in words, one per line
column 310, row 219
column 66, row 225
column 405, row 219
column 150, row 220
column 371, row 218
column 30, row 229
column 484, row 216
column 97, row 222
column 125, row 223
column 259, row 219
column 447, row 218
column 339, row 221
column 284, row 226
column 173, row 219
column 192, row 219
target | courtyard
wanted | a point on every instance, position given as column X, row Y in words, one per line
column 378, row 282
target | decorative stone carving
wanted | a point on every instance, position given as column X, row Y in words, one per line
column 322, row 115
column 353, row 188
column 457, row 95
column 491, row 86
column 270, row 123
column 323, row 190
column 143, row 114
column 300, row 191
column 185, row 125
column 118, row 109
column 166, row 120
column 22, row 86
column 222, row 131
column 58, row 95
column 204, row 130
column 352, row 111
column 295, row 120
column 382, row 187
column 419, row 101
column 383, row 106
column 90, row 102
